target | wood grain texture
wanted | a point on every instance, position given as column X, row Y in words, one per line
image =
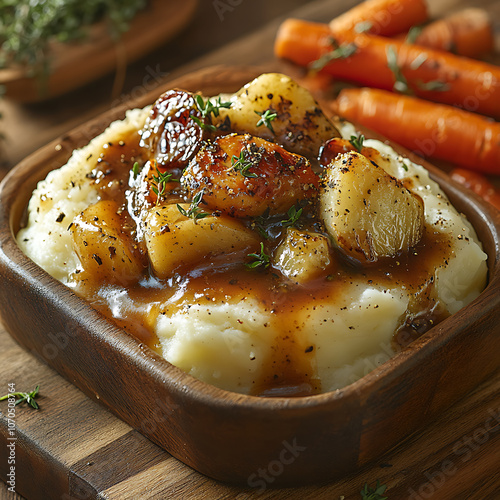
column 454, row 458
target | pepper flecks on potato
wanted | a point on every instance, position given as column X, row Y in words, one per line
column 244, row 176
column 369, row 213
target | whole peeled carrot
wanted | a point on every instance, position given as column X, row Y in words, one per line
column 477, row 183
column 384, row 63
column 429, row 129
column 468, row 32
column 382, row 17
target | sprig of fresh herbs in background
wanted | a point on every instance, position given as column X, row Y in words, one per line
column 27, row 28
column 24, row 397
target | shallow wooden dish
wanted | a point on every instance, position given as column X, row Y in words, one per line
column 75, row 64
column 235, row 438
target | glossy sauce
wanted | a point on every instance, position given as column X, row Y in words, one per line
column 290, row 371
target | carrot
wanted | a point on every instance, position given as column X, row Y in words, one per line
column 477, row 183
column 385, row 63
column 429, row 129
column 383, row 17
column 467, row 32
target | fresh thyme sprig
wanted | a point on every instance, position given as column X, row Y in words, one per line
column 244, row 162
column 338, row 52
column 208, row 108
column 400, row 83
column 260, row 259
column 369, row 493
column 293, row 216
column 24, row 397
column 260, row 223
column 159, row 183
column 357, row 141
column 266, row 117
column 194, row 212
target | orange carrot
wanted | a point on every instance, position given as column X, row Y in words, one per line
column 477, row 183
column 383, row 17
column 467, row 33
column 383, row 63
column 429, row 129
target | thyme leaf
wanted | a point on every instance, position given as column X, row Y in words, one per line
column 207, row 108
column 194, row 212
column 259, row 259
column 357, row 142
column 369, row 493
column 24, row 397
column 244, row 162
column 338, row 52
column 400, row 83
column 413, row 34
column 266, row 117
column 159, row 183
column 293, row 216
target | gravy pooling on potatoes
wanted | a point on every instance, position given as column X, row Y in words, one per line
column 227, row 277
column 263, row 255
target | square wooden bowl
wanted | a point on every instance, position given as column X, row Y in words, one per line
column 233, row 437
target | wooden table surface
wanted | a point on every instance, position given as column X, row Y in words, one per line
column 73, row 448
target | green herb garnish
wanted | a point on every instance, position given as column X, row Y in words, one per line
column 433, row 85
column 29, row 27
column 194, row 212
column 159, row 183
column 259, row 259
column 413, row 34
column 266, row 117
column 400, row 83
column 357, row 142
column 24, row 397
column 244, row 162
column 207, row 108
column 363, row 27
column 369, row 493
column 338, row 52
column 293, row 216
column 136, row 169
column 261, row 221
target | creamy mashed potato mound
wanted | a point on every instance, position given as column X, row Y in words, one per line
column 230, row 335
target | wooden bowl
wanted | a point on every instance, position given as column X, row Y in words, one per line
column 232, row 437
column 75, row 64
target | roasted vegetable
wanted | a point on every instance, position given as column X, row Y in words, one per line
column 369, row 213
column 244, row 176
column 303, row 255
column 276, row 108
column 175, row 240
column 104, row 245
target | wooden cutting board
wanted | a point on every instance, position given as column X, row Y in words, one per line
column 74, row 448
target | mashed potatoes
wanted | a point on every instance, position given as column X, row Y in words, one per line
column 248, row 317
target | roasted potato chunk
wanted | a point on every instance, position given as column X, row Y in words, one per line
column 302, row 255
column 244, row 176
column 174, row 240
column 369, row 213
column 299, row 126
column 104, row 246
